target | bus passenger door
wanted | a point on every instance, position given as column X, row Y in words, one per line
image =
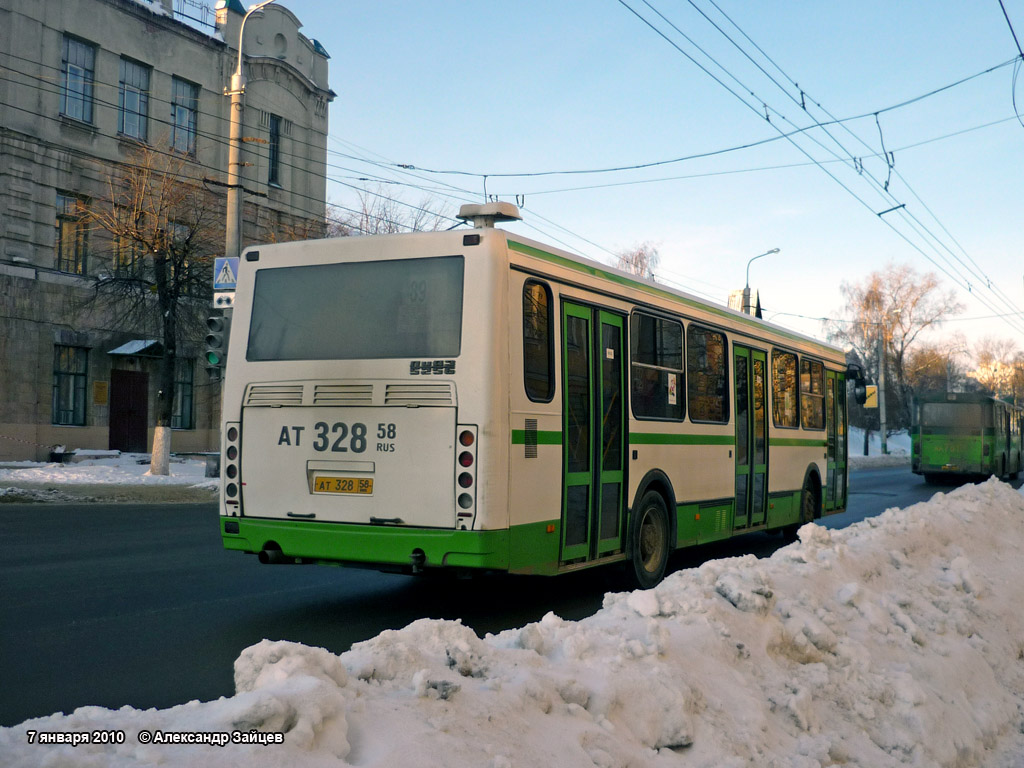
column 835, row 446
column 593, row 432
column 749, row 366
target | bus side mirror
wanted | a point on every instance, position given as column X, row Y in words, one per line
column 855, row 373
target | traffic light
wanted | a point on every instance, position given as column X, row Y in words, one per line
column 218, row 329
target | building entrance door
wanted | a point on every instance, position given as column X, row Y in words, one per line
column 129, row 411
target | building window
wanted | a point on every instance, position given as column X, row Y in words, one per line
column 812, row 394
column 77, row 65
column 275, row 151
column 181, row 416
column 70, row 244
column 708, row 393
column 133, row 100
column 784, row 389
column 538, row 347
column 69, row 369
column 184, row 107
column 656, row 372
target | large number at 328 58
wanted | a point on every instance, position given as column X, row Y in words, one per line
column 339, row 437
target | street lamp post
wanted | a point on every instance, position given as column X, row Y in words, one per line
column 233, row 233
column 747, row 309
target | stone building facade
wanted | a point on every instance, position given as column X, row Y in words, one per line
column 86, row 83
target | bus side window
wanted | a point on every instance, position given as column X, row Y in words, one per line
column 707, row 369
column 784, row 389
column 656, row 371
column 538, row 347
column 812, row 379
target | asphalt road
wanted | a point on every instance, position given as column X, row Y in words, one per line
column 114, row 604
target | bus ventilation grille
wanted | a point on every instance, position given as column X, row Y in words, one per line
column 343, row 394
column 530, row 439
column 418, row 394
column 274, row 394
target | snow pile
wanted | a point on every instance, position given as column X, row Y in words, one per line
column 125, row 469
column 896, row 641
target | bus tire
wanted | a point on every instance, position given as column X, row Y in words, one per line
column 649, row 541
column 809, row 502
column 809, row 506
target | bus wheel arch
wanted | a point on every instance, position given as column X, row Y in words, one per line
column 655, row 480
column 651, row 531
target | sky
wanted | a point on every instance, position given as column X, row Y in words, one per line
column 893, row 642
column 464, row 90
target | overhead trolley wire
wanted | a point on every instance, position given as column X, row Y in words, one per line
column 955, row 275
column 976, row 271
column 193, row 160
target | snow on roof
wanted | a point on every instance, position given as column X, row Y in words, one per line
column 895, row 641
column 135, row 347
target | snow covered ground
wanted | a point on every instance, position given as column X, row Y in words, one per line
column 898, row 447
column 94, row 476
column 897, row 641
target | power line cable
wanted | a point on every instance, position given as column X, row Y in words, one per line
column 912, row 220
column 1012, row 31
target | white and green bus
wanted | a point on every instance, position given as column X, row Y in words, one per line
column 476, row 400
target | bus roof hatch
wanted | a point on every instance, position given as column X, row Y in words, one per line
column 485, row 216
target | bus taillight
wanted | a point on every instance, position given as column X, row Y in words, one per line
column 232, row 497
column 465, row 478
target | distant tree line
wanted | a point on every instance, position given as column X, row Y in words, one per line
column 892, row 319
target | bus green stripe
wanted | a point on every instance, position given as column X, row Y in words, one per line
column 552, row 437
column 529, row 250
column 958, row 432
column 657, row 438
column 543, row 437
column 795, row 442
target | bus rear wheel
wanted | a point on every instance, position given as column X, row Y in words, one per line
column 649, row 540
column 808, row 510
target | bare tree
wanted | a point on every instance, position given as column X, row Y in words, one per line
column 890, row 310
column 937, row 366
column 641, row 260
column 163, row 227
column 274, row 227
column 381, row 214
column 999, row 368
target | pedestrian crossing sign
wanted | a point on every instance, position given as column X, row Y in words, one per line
column 225, row 273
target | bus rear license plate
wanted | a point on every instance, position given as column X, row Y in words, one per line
column 355, row 485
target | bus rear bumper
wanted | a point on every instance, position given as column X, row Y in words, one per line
column 369, row 546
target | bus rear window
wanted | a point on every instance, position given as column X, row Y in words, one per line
column 358, row 310
column 964, row 416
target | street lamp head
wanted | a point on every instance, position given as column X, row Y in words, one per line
column 238, row 80
column 766, row 253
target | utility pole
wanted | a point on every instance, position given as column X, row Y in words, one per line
column 881, row 387
column 233, row 230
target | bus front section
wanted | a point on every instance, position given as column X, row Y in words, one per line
column 354, row 399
